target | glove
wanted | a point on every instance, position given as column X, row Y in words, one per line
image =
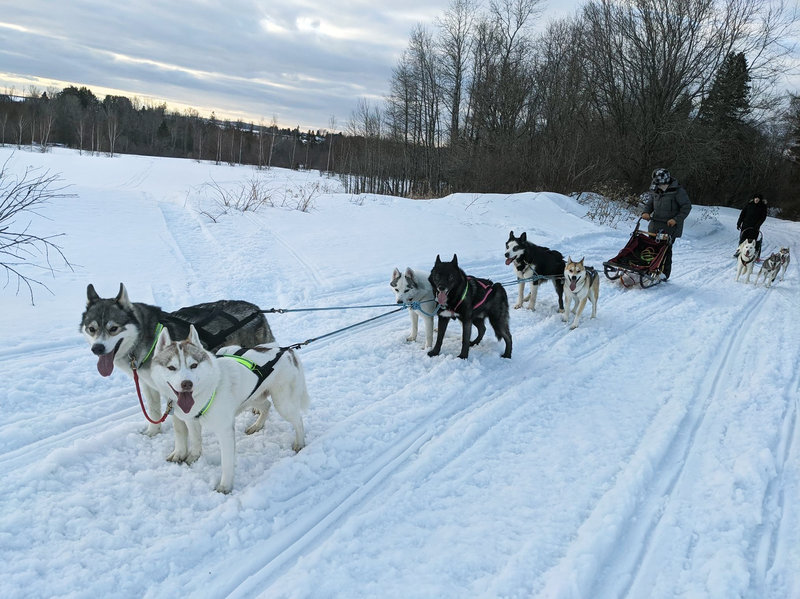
column 672, row 222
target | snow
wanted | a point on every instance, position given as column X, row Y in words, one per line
column 652, row 452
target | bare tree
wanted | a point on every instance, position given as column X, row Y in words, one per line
column 21, row 250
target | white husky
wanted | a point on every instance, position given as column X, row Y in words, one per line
column 413, row 288
column 746, row 259
column 211, row 390
column 580, row 283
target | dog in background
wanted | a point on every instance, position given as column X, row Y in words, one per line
column 211, row 390
column 470, row 300
column 413, row 287
column 784, row 252
column 769, row 269
column 528, row 260
column 746, row 259
column 581, row 283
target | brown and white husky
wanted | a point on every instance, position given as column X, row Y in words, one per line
column 581, row 283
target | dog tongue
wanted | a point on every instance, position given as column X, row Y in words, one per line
column 572, row 285
column 185, row 401
column 105, row 364
column 441, row 297
column 509, row 261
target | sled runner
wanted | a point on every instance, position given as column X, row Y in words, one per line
column 642, row 259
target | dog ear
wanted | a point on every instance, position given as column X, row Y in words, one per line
column 395, row 275
column 511, row 235
column 581, row 262
column 91, row 295
column 569, row 259
column 122, row 297
column 193, row 337
column 163, row 340
column 455, row 260
column 409, row 274
column 524, row 236
column 438, row 260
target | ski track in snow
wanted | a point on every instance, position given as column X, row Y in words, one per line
column 405, row 421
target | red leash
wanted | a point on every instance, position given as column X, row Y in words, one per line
column 141, row 403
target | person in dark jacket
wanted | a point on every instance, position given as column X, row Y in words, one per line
column 666, row 207
column 752, row 217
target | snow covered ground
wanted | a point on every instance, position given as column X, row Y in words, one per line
column 651, row 453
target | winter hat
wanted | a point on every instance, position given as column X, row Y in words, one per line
column 661, row 176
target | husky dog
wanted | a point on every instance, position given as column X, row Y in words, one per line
column 746, row 259
column 413, row 286
column 123, row 333
column 471, row 300
column 582, row 283
column 770, row 269
column 211, row 390
column 530, row 259
column 784, row 253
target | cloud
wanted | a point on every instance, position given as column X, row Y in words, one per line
column 301, row 61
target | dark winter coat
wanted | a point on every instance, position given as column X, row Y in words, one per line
column 752, row 216
column 664, row 205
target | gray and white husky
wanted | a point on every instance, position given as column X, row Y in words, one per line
column 122, row 334
column 784, row 253
column 770, row 268
column 413, row 287
column 210, row 390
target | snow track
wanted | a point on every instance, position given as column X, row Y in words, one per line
column 651, row 452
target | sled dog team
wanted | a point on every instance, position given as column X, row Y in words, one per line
column 747, row 255
column 213, row 361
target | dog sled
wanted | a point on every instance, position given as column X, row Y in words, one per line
column 640, row 261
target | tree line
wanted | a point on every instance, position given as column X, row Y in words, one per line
column 480, row 103
column 74, row 117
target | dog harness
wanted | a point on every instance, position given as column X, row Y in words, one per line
column 488, row 289
column 262, row 372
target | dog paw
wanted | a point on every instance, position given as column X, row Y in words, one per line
column 177, row 456
column 192, row 457
column 253, row 428
column 433, row 353
column 151, row 430
column 463, row 356
column 223, row 489
column 517, row 306
column 572, row 327
column 296, row 447
column 411, row 338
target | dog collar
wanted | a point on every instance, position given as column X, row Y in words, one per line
column 207, row 407
column 135, row 366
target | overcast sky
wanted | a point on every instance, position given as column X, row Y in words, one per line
column 299, row 61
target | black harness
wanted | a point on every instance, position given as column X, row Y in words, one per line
column 261, row 371
column 211, row 324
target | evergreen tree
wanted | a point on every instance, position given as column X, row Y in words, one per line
column 728, row 101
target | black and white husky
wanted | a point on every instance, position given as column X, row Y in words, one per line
column 470, row 300
column 580, row 283
column 412, row 288
column 123, row 334
column 528, row 260
column 210, row 390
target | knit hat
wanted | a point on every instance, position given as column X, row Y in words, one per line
column 661, row 176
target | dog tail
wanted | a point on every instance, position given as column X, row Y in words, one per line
column 300, row 381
